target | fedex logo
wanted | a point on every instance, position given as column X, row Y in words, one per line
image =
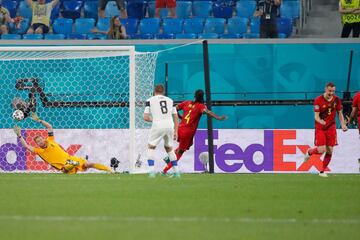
column 25, row 160
column 230, row 157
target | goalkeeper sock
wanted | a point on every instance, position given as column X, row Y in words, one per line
column 102, row 167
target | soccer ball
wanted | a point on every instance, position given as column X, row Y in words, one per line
column 204, row 158
column 18, row 115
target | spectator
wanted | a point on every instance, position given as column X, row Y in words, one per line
column 268, row 11
column 350, row 17
column 116, row 31
column 170, row 4
column 41, row 12
column 5, row 19
column 120, row 4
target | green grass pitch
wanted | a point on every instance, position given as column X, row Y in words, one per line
column 197, row 206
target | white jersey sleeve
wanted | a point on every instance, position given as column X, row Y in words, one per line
column 162, row 109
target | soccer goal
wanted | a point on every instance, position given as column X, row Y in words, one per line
column 94, row 97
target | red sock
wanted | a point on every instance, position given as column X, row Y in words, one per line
column 326, row 161
column 169, row 165
column 312, row 151
column 167, row 168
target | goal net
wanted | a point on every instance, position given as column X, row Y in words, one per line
column 94, row 97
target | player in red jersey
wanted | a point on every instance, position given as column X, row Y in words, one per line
column 325, row 107
column 355, row 109
column 192, row 112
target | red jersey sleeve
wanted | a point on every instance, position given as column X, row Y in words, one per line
column 356, row 100
column 317, row 105
column 181, row 105
column 203, row 108
column 339, row 105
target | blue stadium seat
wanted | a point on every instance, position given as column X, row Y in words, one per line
column 202, row 9
column 84, row 25
column 111, row 9
column 33, row 36
column 194, row 25
column 285, row 26
column 231, row 36
column 208, row 36
column 290, row 9
column 24, row 26
column 62, row 25
column 223, row 9
column 76, row 36
column 282, row 35
column 91, row 9
column 186, row 36
column 183, row 9
column 172, row 26
column 55, row 12
column 237, row 25
column 103, row 24
column 94, row 36
column 149, row 26
column 165, row 36
column 54, row 36
column 255, row 25
column 251, row 35
column 144, row 36
column 25, row 10
column 151, row 10
column 131, row 25
column 136, row 9
column 214, row 25
column 245, row 8
column 10, row 5
column 10, row 36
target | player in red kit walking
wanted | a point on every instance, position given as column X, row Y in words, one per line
column 325, row 107
column 355, row 109
column 192, row 112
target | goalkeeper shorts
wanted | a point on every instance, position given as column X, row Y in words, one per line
column 80, row 167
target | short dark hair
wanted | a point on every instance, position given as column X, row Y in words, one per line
column 199, row 96
column 159, row 88
column 330, row 84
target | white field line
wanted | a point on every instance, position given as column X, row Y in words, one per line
column 178, row 219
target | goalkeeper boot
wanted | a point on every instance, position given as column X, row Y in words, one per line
column 323, row 174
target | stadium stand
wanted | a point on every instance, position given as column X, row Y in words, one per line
column 226, row 18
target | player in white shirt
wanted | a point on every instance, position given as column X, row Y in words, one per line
column 160, row 111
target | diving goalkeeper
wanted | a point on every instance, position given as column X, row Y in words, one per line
column 52, row 153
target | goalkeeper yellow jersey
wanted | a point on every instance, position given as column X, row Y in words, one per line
column 53, row 154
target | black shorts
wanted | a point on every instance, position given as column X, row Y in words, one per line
column 40, row 25
column 119, row 3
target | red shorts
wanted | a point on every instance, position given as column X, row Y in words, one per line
column 326, row 137
column 165, row 4
column 185, row 138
